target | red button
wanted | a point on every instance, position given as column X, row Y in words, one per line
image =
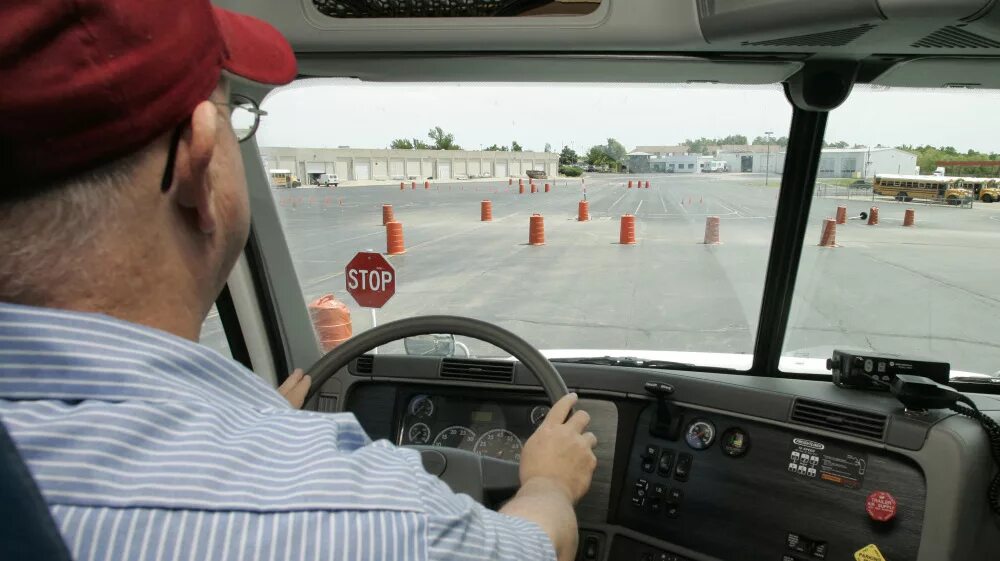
column 881, row 506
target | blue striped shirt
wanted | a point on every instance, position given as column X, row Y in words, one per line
column 150, row 447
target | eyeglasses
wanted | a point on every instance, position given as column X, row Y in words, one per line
column 244, row 116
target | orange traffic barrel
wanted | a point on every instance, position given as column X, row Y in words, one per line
column 909, row 217
column 873, row 216
column 510, row 181
column 402, row 186
column 387, row 214
column 520, row 188
column 583, row 211
column 629, row 183
column 647, row 184
column 427, row 184
column 485, row 211
column 536, row 230
column 828, row 238
column 627, row 233
column 394, row 238
column 533, row 188
column 841, row 215
column 331, row 319
column 712, row 230
column 546, row 187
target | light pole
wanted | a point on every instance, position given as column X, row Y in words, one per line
column 767, row 164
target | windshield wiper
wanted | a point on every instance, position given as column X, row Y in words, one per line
column 628, row 361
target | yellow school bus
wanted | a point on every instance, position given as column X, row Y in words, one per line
column 925, row 187
column 984, row 189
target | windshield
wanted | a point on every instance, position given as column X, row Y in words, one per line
column 682, row 164
column 573, row 174
column 922, row 282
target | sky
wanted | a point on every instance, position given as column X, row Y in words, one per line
column 327, row 113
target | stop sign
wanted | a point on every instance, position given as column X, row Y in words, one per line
column 371, row 280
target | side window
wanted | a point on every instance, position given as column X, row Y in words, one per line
column 213, row 335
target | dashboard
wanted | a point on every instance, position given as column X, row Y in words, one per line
column 725, row 467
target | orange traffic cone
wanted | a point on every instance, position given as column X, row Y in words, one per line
column 626, row 234
column 536, row 230
column 828, row 238
column 331, row 319
column 873, row 216
column 394, row 238
column 712, row 230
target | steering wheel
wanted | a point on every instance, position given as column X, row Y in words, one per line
column 463, row 471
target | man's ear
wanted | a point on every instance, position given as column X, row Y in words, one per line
column 192, row 181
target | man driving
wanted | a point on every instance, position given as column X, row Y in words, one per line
column 123, row 208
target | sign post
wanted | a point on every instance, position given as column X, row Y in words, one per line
column 371, row 281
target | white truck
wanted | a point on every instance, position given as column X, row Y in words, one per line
column 327, row 179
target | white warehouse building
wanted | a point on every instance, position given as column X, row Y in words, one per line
column 354, row 164
column 864, row 163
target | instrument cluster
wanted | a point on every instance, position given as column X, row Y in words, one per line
column 496, row 429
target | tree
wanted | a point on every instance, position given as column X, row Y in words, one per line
column 443, row 140
column 495, row 148
column 548, row 148
column 515, row 147
column 598, row 156
column 840, row 144
column 421, row 145
column 568, row 156
column 401, row 144
column 616, row 150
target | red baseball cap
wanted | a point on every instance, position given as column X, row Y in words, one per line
column 90, row 81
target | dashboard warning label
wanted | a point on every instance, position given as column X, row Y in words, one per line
column 869, row 552
column 825, row 462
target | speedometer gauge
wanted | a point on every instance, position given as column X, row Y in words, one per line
column 500, row 444
column 700, row 435
column 456, row 437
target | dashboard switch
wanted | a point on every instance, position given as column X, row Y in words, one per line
column 666, row 462
column 649, row 458
column 591, row 548
column 683, row 469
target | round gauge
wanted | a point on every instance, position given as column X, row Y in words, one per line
column 422, row 407
column 500, row 444
column 419, row 433
column 538, row 414
column 735, row 442
column 700, row 435
column 456, row 437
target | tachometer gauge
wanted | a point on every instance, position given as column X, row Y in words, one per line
column 538, row 414
column 700, row 435
column 419, row 433
column 456, row 437
column 422, row 407
column 500, row 444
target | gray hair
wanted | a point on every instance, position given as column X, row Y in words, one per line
column 47, row 237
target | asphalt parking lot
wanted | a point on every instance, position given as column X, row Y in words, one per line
column 929, row 290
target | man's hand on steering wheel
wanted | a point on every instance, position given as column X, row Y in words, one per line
column 560, row 452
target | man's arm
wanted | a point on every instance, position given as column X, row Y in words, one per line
column 557, row 465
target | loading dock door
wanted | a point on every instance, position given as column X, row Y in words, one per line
column 501, row 169
column 746, row 164
column 396, row 169
column 362, row 171
column 444, row 170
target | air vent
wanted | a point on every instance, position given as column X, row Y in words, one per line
column 951, row 37
column 365, row 364
column 835, row 38
column 837, row 418
column 477, row 370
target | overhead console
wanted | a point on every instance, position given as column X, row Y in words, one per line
column 738, row 489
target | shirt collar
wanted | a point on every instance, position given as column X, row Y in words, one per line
column 47, row 353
